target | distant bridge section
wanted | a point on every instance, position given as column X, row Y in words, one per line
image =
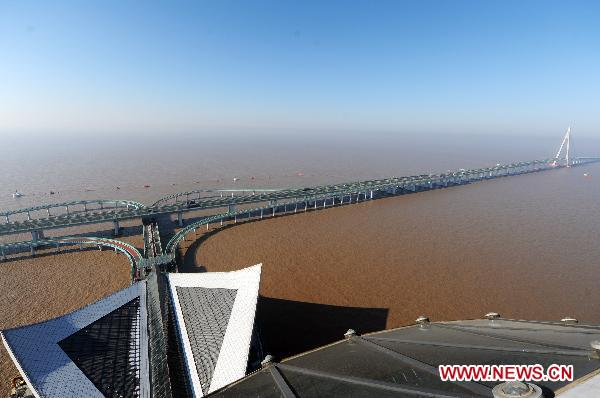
column 80, row 213
column 347, row 194
column 67, row 209
column 581, row 161
column 71, row 214
column 64, row 214
column 192, row 196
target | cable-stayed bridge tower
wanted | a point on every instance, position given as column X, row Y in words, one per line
column 566, row 147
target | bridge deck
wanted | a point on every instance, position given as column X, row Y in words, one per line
column 134, row 210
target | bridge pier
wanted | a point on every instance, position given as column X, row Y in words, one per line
column 231, row 208
column 32, row 250
column 116, row 227
column 37, row 235
column 3, row 253
column 180, row 219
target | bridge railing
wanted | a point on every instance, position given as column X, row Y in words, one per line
column 365, row 188
column 65, row 209
column 133, row 254
column 197, row 194
column 135, row 211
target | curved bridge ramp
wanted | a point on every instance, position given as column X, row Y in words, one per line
column 133, row 255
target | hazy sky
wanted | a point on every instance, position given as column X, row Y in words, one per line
column 142, row 66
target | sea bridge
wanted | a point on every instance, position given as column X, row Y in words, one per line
column 81, row 213
column 250, row 203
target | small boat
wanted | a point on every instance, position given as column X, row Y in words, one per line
column 235, row 179
column 586, row 175
column 17, row 194
column 300, row 174
column 118, row 188
column 146, row 186
column 51, row 192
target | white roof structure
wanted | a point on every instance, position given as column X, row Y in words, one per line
column 583, row 389
column 99, row 350
column 214, row 316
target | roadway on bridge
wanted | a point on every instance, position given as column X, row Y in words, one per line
column 134, row 210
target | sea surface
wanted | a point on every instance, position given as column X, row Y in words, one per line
column 53, row 169
column 524, row 246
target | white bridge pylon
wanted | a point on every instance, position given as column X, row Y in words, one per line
column 566, row 146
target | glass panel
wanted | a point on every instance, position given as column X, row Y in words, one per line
column 107, row 351
column 260, row 384
column 564, row 336
column 350, row 358
column 436, row 334
column 309, row 386
column 435, row 355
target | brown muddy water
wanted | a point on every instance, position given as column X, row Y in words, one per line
column 514, row 246
column 526, row 247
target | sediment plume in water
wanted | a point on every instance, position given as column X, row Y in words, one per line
column 525, row 247
column 456, row 253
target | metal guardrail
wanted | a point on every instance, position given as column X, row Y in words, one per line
column 199, row 192
column 460, row 177
column 133, row 254
column 101, row 202
column 210, row 203
column 295, row 197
